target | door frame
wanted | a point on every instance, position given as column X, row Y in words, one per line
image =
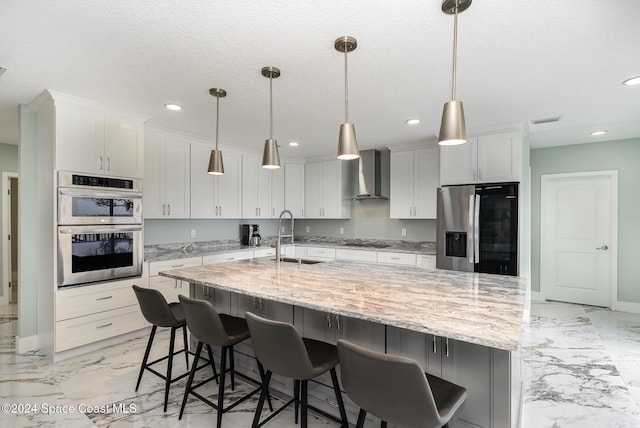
column 545, row 181
column 6, row 230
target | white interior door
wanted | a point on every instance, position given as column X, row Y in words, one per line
column 578, row 229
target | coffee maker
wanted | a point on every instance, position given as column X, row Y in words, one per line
column 250, row 234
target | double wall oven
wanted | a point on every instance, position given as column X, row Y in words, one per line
column 99, row 228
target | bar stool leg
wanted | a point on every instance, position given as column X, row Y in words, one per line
column 233, row 368
column 223, row 369
column 383, row 424
column 186, row 345
column 146, row 355
column 296, row 396
column 213, row 363
column 361, row 417
column 167, row 382
column 263, row 395
column 187, row 389
column 303, row 393
column 336, row 388
column 261, row 370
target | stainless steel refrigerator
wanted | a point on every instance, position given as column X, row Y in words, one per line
column 478, row 228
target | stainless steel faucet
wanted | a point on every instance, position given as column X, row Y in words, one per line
column 279, row 236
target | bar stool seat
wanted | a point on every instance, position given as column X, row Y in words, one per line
column 395, row 389
column 159, row 313
column 213, row 329
column 281, row 350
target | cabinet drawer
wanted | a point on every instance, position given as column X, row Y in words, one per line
column 156, row 267
column 405, row 259
column 92, row 328
column 321, row 253
column 357, row 255
column 90, row 299
column 227, row 257
column 264, row 252
column 427, row 262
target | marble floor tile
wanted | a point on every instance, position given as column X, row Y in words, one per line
column 580, row 367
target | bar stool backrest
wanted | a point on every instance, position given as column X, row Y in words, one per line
column 391, row 387
column 154, row 307
column 203, row 321
column 279, row 347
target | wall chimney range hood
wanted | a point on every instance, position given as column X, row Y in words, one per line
column 368, row 176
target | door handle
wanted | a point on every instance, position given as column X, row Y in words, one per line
column 604, row 247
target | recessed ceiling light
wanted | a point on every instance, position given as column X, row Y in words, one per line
column 294, row 143
column 599, row 132
column 632, row 81
column 412, row 121
column 174, row 107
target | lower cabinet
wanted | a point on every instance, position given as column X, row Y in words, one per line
column 169, row 287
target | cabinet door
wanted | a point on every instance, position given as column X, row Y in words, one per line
column 332, row 189
column 294, row 179
column 498, row 158
column 79, row 140
column 201, row 183
column 168, row 287
column 458, row 164
column 313, row 189
column 426, row 178
column 176, row 172
column 318, row 325
column 123, row 148
column 265, row 190
column 277, row 193
column 228, row 187
column 401, row 186
column 249, row 186
column 153, row 189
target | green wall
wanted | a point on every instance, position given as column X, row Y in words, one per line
column 8, row 163
column 623, row 156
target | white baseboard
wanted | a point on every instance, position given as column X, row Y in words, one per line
column 538, row 297
column 26, row 344
column 626, row 307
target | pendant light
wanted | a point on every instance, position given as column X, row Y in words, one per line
column 216, row 167
column 271, row 156
column 453, row 129
column 347, row 144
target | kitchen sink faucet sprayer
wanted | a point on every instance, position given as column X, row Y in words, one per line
column 279, row 236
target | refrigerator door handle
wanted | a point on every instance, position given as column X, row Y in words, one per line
column 476, row 231
column 470, row 234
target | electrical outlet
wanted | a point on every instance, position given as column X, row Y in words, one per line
column 403, row 232
column 193, row 233
column 342, row 231
column 308, row 229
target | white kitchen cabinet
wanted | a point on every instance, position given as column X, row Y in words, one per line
column 426, row 262
column 356, row 255
column 321, row 253
column 484, row 159
column 96, row 141
column 169, row 287
column 262, row 189
column 294, row 188
column 405, row 259
column 215, row 196
column 166, row 190
column 231, row 256
column 414, row 183
column 327, row 191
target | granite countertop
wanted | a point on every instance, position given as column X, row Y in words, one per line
column 155, row 253
column 477, row 308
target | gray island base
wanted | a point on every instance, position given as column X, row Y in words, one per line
column 464, row 327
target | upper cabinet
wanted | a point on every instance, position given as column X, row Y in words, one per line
column 327, row 189
column 166, row 190
column 215, row 196
column 262, row 189
column 294, row 188
column 484, row 159
column 95, row 141
column 414, row 183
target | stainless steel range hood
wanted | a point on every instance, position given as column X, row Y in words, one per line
column 369, row 176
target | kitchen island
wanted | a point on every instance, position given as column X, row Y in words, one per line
column 465, row 327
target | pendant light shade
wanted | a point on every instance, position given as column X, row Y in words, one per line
column 216, row 167
column 347, row 143
column 271, row 156
column 453, row 130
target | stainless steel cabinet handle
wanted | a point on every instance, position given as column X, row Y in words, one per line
column 105, row 325
column 479, row 173
column 164, row 209
column 338, row 322
column 476, row 231
column 108, row 163
column 433, row 342
column 168, row 209
column 100, row 163
column 604, row 247
column 329, row 320
column 446, row 346
column 177, row 266
column 104, row 298
column 302, row 212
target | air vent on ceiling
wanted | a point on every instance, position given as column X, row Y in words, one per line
column 546, row 120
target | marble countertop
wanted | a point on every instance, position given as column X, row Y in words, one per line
column 155, row 253
column 477, row 308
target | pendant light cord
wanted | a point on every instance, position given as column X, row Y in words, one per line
column 271, row 106
column 455, row 51
column 346, row 87
column 217, row 119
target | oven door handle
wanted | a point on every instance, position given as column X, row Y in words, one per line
column 108, row 195
column 99, row 229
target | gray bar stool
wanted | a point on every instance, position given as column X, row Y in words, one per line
column 159, row 313
column 395, row 389
column 281, row 350
column 213, row 329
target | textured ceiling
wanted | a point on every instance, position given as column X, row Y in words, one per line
column 518, row 61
